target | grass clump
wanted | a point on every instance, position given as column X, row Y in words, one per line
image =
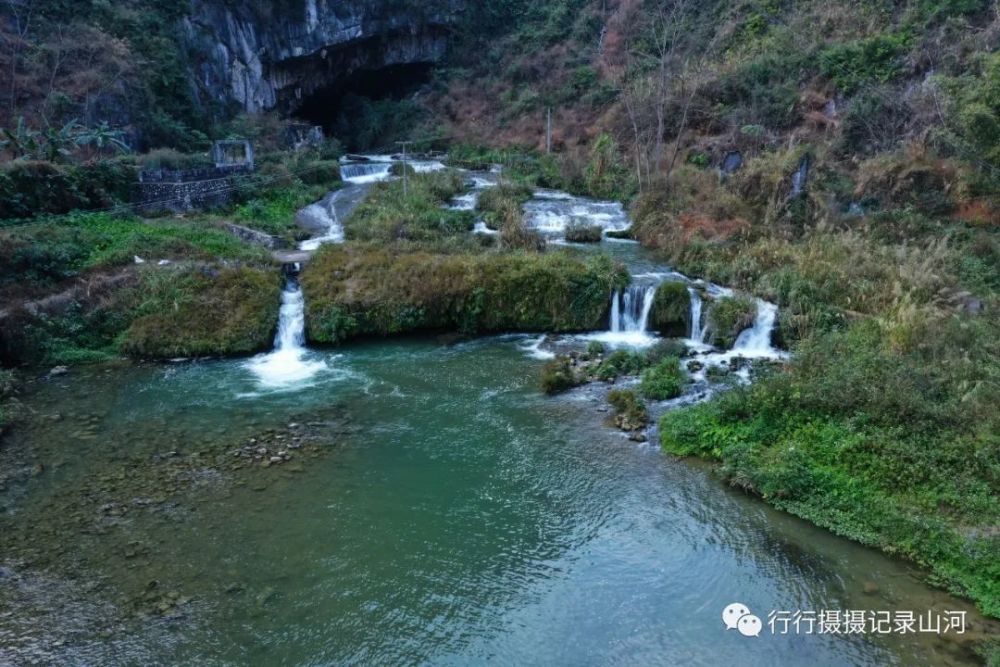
column 388, row 216
column 495, row 203
column 664, row 381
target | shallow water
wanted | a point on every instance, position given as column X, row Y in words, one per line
column 455, row 522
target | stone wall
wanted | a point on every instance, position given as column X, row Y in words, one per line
column 154, row 198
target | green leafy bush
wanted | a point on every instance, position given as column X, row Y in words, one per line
column 619, row 363
column 664, row 381
column 29, row 188
column 876, row 59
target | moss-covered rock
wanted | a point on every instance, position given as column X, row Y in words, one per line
column 728, row 317
column 671, row 313
column 584, row 233
column 355, row 290
column 205, row 311
column 558, row 376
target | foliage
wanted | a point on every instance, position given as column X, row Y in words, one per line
column 174, row 160
column 48, row 252
column 874, row 59
column 664, row 381
column 150, row 311
column 31, row 188
column 888, row 448
column 619, row 363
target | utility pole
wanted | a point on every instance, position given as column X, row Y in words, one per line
column 406, row 176
column 548, row 132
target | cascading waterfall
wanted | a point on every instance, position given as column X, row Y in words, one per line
column 288, row 364
column 697, row 305
column 630, row 309
column 756, row 341
column 324, row 213
column 365, row 172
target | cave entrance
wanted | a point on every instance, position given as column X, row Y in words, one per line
column 370, row 109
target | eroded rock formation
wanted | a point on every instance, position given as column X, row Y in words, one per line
column 263, row 56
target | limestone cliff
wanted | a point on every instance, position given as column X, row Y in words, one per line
column 263, row 56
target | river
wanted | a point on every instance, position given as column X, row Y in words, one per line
column 448, row 513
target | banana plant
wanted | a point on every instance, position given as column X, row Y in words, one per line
column 102, row 137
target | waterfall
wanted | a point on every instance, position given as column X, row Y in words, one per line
column 365, row 172
column 800, row 177
column 287, row 363
column 630, row 309
column 756, row 341
column 698, row 333
column 323, row 213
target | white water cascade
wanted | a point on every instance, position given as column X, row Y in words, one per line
column 698, row 333
column 365, row 172
column 756, row 341
column 630, row 309
column 323, row 213
column 288, row 364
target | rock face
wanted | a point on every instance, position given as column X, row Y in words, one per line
column 273, row 55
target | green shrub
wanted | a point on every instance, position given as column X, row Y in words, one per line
column 558, row 376
column 595, row 349
column 876, row 59
column 621, row 362
column 664, row 381
column 671, row 312
column 496, row 203
column 29, row 189
column 670, row 347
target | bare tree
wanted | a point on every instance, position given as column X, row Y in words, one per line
column 21, row 12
